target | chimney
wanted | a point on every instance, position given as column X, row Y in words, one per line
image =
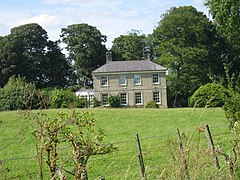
column 146, row 53
column 108, row 56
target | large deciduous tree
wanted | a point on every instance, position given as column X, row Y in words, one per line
column 226, row 14
column 28, row 52
column 86, row 48
column 184, row 42
column 129, row 47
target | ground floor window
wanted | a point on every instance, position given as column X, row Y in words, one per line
column 123, row 98
column 157, row 97
column 138, row 98
column 104, row 99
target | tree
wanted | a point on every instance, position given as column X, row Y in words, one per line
column 85, row 47
column 184, row 42
column 227, row 17
column 76, row 130
column 28, row 52
column 129, row 47
column 8, row 57
column 57, row 69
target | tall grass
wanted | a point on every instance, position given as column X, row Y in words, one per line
column 156, row 128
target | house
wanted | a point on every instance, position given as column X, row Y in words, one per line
column 136, row 82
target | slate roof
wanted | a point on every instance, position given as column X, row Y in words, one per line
column 126, row 66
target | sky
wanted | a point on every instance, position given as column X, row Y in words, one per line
column 112, row 17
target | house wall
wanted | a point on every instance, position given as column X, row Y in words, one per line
column 146, row 88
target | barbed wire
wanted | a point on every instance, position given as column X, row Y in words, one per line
column 121, row 144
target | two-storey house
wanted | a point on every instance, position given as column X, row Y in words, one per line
column 136, row 82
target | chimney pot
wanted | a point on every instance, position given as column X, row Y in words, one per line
column 108, row 56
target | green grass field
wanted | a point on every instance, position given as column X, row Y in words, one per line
column 157, row 132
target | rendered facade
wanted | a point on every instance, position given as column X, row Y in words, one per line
column 136, row 82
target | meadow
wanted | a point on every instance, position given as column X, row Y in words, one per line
column 156, row 129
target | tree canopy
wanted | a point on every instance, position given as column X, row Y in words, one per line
column 184, row 42
column 86, row 48
column 27, row 52
column 227, row 17
column 129, row 47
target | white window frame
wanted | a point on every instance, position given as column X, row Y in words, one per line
column 103, row 100
column 120, row 95
column 122, row 80
column 104, row 80
column 157, row 97
column 137, row 78
column 135, row 100
column 155, row 77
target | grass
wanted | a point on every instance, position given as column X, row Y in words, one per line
column 156, row 129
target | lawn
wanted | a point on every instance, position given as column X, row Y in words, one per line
column 157, row 132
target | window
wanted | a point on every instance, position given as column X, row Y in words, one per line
column 137, row 79
column 123, row 98
column 138, row 98
column 157, row 97
column 155, row 78
column 122, row 80
column 90, row 97
column 104, row 80
column 84, row 97
column 105, row 99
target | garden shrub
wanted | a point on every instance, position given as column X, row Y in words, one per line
column 61, row 98
column 114, row 101
column 18, row 94
column 152, row 104
column 209, row 95
column 81, row 102
column 96, row 103
column 232, row 107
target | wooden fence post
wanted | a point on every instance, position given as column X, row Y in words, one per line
column 211, row 145
column 140, row 158
column 182, row 154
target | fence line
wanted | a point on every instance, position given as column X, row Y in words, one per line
column 134, row 153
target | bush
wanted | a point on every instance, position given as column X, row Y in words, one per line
column 114, row 101
column 209, row 95
column 152, row 104
column 232, row 107
column 81, row 102
column 61, row 98
column 18, row 94
column 96, row 103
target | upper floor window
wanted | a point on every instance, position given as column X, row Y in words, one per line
column 155, row 79
column 138, row 98
column 157, row 97
column 137, row 79
column 104, row 80
column 122, row 80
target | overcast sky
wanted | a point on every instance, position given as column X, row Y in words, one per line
column 111, row 17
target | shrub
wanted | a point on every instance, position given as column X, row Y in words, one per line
column 232, row 107
column 96, row 103
column 81, row 102
column 18, row 94
column 209, row 95
column 61, row 98
column 114, row 101
column 152, row 104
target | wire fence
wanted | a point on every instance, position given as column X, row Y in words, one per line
column 121, row 163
